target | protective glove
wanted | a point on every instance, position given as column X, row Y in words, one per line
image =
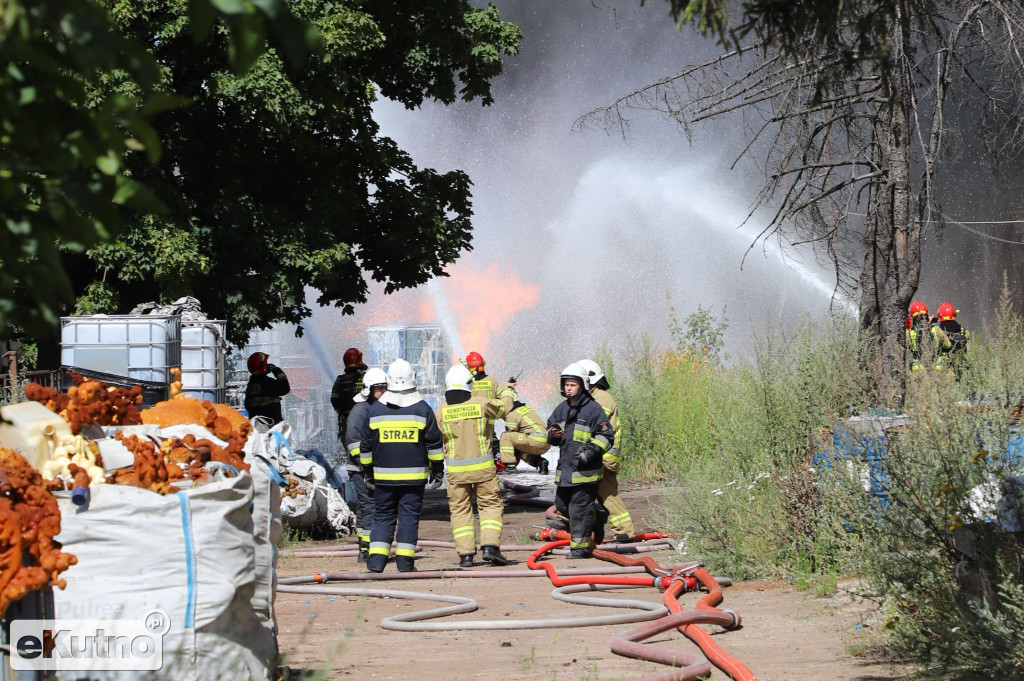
column 436, row 476
column 588, row 454
column 555, row 434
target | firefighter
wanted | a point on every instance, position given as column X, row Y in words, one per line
column 267, row 385
column 466, row 418
column 919, row 324
column 608, row 488
column 952, row 350
column 346, row 386
column 582, row 432
column 482, row 383
column 375, row 384
column 400, row 451
column 525, row 438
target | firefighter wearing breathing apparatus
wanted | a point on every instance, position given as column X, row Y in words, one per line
column 375, row 384
column 400, row 451
column 579, row 428
column 466, row 418
column 608, row 488
column 525, row 438
column 952, row 353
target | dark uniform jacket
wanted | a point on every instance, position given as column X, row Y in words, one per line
column 400, row 443
column 264, row 392
column 346, row 386
column 582, row 423
column 358, row 428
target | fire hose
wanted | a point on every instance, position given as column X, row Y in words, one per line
column 674, row 582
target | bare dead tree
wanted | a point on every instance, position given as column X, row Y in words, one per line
column 851, row 169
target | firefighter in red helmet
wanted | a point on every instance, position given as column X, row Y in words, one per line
column 915, row 333
column 953, row 351
column 346, row 386
column 267, row 385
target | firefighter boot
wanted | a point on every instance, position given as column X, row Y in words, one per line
column 364, row 551
column 466, row 560
column 493, row 556
column 600, row 518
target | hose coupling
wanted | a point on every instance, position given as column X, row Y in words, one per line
column 737, row 621
column 663, row 583
column 319, row 578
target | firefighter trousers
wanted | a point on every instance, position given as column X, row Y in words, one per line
column 577, row 503
column 393, row 504
column 608, row 493
column 529, row 446
column 488, row 504
column 364, row 505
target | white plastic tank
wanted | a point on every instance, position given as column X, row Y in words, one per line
column 203, row 347
column 32, row 430
column 140, row 347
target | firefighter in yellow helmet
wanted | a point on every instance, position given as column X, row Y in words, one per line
column 466, row 418
column 608, row 489
column 525, row 438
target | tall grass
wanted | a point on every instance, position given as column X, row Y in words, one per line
column 760, row 490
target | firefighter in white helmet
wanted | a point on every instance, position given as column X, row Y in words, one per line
column 375, row 384
column 579, row 428
column 401, row 450
column 466, row 418
column 608, row 489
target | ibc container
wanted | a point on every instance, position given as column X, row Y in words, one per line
column 140, row 347
column 203, row 344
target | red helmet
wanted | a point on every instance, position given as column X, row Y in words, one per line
column 475, row 361
column 353, row 357
column 946, row 312
column 918, row 308
column 258, row 363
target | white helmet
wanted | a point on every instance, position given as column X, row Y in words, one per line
column 401, row 376
column 593, row 370
column 459, row 378
column 574, row 370
column 372, row 377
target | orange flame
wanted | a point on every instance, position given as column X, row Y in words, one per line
column 483, row 301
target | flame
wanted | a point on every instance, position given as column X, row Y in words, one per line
column 482, row 301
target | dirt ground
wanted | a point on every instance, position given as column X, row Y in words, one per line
column 786, row 634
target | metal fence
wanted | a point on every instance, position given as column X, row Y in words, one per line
column 11, row 392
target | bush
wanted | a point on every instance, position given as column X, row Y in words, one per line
column 738, row 443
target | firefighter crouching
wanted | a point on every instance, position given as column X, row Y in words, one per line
column 358, row 423
column 579, row 427
column 466, row 418
column 608, row 488
column 400, row 452
column 525, row 438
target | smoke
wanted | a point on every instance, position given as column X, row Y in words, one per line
column 582, row 240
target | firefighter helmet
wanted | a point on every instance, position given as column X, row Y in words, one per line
column 593, row 369
column 401, row 376
column 459, row 378
column 918, row 308
column 574, row 370
column 353, row 357
column 947, row 312
column 374, row 376
column 475, row 361
column 258, row 363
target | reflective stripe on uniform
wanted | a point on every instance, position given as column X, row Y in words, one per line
column 579, row 544
column 463, row 531
column 435, row 454
column 618, row 519
column 490, row 525
column 609, row 456
column 405, row 549
column 474, row 464
column 413, row 473
column 379, row 547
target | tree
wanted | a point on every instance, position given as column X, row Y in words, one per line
column 278, row 179
column 63, row 153
column 869, row 142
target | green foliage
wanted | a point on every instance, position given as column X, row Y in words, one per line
column 700, row 332
column 277, row 179
column 743, row 450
